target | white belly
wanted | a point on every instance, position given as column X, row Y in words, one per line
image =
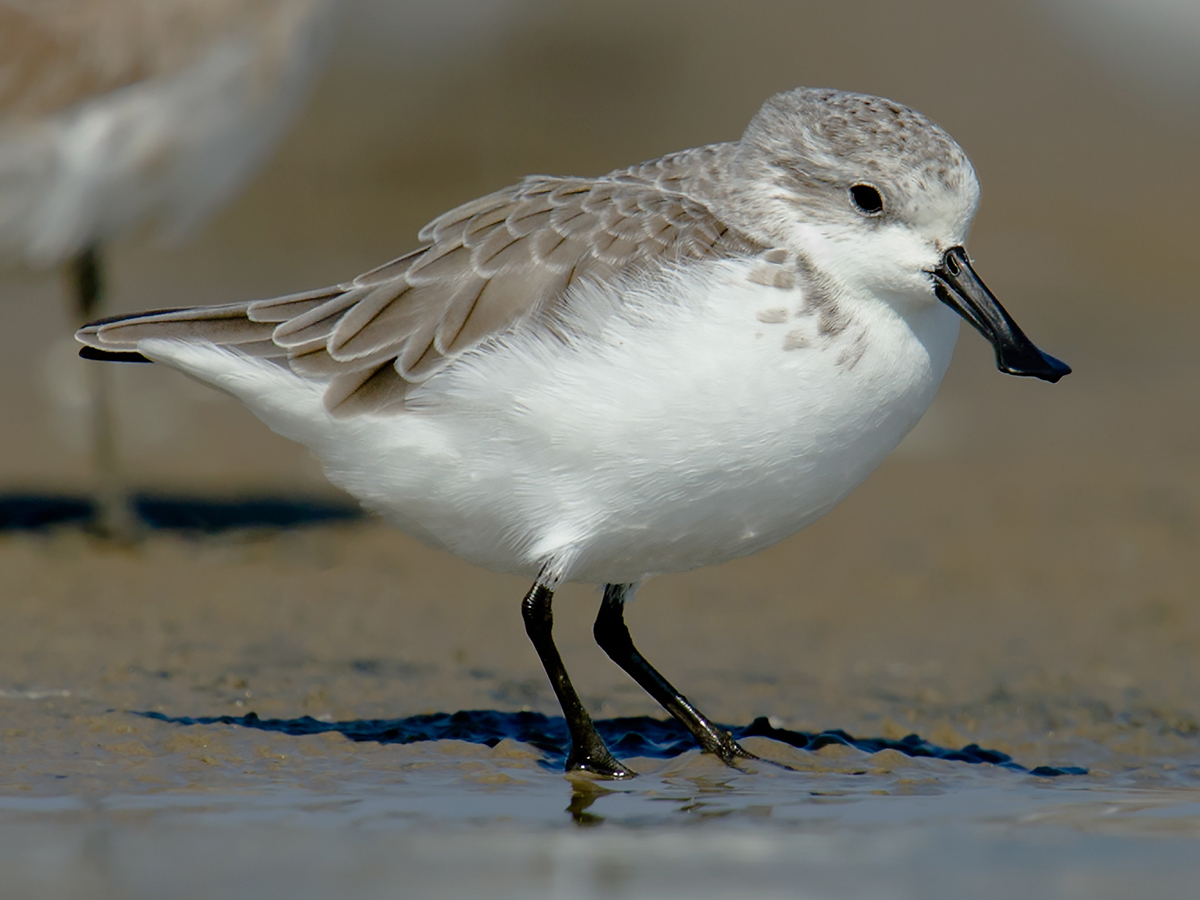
column 659, row 442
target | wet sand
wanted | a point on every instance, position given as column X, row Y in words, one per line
column 1022, row 574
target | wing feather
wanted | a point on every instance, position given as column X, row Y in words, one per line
column 365, row 390
column 284, row 309
column 458, row 310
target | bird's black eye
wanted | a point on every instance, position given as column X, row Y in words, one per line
column 867, row 199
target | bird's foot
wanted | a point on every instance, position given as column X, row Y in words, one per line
column 728, row 750
column 597, row 761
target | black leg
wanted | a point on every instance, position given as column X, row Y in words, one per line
column 114, row 514
column 588, row 750
column 613, row 636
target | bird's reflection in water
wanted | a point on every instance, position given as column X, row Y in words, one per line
column 584, row 793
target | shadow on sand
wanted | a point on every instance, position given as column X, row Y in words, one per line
column 208, row 515
column 626, row 737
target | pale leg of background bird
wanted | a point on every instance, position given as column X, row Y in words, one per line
column 113, row 513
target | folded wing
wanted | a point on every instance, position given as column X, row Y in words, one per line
column 490, row 265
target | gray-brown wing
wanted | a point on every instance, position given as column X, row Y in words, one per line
column 489, row 265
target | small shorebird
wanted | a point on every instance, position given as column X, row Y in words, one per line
column 116, row 113
column 605, row 379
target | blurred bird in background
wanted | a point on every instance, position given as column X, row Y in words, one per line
column 116, row 115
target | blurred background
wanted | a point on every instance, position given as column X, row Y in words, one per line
column 1022, row 573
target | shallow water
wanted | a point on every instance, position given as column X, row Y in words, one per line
column 219, row 810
